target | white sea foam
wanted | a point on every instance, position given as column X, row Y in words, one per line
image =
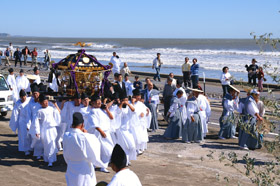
column 33, row 42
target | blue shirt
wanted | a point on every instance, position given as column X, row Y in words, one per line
column 194, row 69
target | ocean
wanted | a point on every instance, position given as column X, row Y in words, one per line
column 212, row 54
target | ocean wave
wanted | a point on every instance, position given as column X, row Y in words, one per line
column 33, row 42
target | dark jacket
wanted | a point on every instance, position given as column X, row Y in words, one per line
column 17, row 55
column 24, row 52
column 119, row 89
column 139, row 83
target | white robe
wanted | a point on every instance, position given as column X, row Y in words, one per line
column 125, row 177
column 37, row 80
column 81, row 152
column 45, row 123
column 22, row 83
column 53, row 85
column 129, row 87
column 205, row 113
column 116, row 64
column 67, row 112
column 125, row 135
column 18, row 122
column 99, row 118
column 12, row 82
column 140, row 129
column 116, row 122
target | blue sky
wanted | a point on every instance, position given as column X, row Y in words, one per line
column 140, row 19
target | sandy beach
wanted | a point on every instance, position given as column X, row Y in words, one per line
column 166, row 162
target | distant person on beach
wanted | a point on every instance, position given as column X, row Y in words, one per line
column 36, row 74
column 17, row 56
column 11, row 49
column 225, row 80
column 47, row 59
column 156, row 65
column 186, row 70
column 22, row 81
column 116, row 61
column 168, row 94
column 7, row 56
column 252, row 72
column 34, row 55
column 261, row 78
column 137, row 84
column 25, row 52
column 125, row 70
column 11, row 80
column 194, row 73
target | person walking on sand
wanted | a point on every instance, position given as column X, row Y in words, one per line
column 11, row 49
column 261, row 78
column 34, row 55
column 125, row 70
column 47, row 59
column 194, row 73
column 225, row 80
column 25, row 52
column 7, row 55
column 186, row 70
column 17, row 56
column 157, row 64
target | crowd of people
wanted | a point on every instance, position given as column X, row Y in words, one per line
column 90, row 129
column 20, row 56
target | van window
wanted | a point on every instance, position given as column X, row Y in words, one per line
column 3, row 84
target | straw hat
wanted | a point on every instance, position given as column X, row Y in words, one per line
column 195, row 90
column 31, row 77
column 234, row 88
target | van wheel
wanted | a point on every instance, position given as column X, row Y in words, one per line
column 4, row 114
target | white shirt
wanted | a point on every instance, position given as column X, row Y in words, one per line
column 125, row 177
column 157, row 62
column 223, row 78
column 116, row 64
column 22, row 83
column 38, row 79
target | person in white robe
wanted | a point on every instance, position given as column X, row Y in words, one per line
column 100, row 120
column 32, row 109
column 55, row 82
column 139, row 129
column 68, row 108
column 12, row 84
column 124, row 134
column 44, row 129
column 116, row 61
column 205, row 113
column 123, row 176
column 81, row 153
column 18, row 122
column 36, row 74
column 182, row 99
column 22, row 81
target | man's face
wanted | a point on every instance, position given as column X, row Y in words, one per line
column 186, row 60
column 138, row 98
column 35, row 95
column 179, row 95
column 169, row 82
column 17, row 49
column 44, row 103
column 114, row 53
column 23, row 98
column 148, row 81
column 97, row 103
column 85, row 102
column 35, row 49
column 171, row 75
column 77, row 101
column 21, row 74
column 194, row 61
column 119, row 78
column 158, row 55
column 37, row 72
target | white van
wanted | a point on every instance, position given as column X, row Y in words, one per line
column 6, row 97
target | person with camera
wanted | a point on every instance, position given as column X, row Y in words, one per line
column 252, row 72
column 100, row 121
column 157, row 65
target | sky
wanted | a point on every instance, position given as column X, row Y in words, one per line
column 140, row 19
